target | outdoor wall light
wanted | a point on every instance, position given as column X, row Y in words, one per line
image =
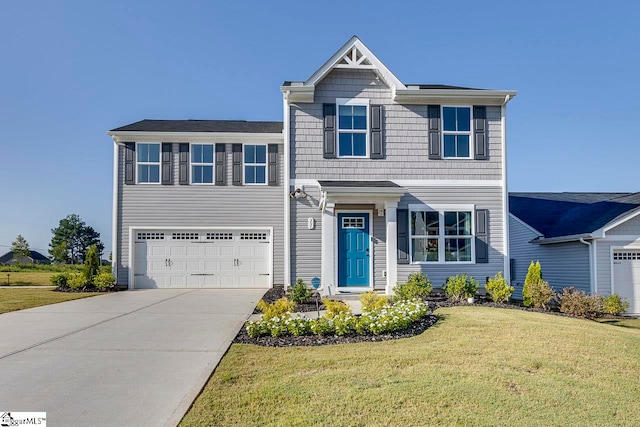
column 298, row 194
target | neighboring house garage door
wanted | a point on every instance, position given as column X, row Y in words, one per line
column 201, row 259
column 626, row 277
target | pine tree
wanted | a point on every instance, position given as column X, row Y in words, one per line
column 534, row 277
column 91, row 263
column 20, row 247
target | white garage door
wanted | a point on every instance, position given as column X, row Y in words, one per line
column 626, row 277
column 201, row 259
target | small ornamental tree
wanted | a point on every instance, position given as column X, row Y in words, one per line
column 20, row 247
column 533, row 278
column 91, row 263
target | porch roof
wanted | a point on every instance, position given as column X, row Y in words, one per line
column 378, row 192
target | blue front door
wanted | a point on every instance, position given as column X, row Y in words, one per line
column 353, row 249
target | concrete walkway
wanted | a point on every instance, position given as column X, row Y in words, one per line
column 129, row 358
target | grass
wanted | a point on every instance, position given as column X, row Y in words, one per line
column 630, row 323
column 18, row 278
column 19, row 299
column 478, row 366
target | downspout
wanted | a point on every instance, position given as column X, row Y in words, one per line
column 286, row 185
column 591, row 287
column 114, row 211
column 505, row 192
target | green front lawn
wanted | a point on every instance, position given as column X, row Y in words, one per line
column 22, row 278
column 19, row 299
column 477, row 366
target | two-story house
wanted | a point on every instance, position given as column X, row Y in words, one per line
column 367, row 180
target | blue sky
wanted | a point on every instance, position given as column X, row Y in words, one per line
column 71, row 70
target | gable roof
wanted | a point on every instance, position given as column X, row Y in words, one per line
column 354, row 54
column 558, row 215
column 231, row 126
column 35, row 255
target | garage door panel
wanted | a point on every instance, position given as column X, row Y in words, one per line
column 212, row 251
column 157, row 250
column 626, row 276
column 193, row 251
column 175, row 250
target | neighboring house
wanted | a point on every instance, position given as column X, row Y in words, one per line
column 587, row 240
column 367, row 180
column 34, row 258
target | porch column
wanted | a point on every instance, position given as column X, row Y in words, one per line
column 392, row 245
column 328, row 245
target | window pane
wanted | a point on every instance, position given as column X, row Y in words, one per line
column 450, row 223
column 464, row 119
column 345, row 147
column 196, row 153
column 154, row 173
column 250, row 174
column 260, row 174
column 261, row 154
column 418, row 225
column 154, row 152
column 207, row 153
column 424, row 250
column 345, row 119
column 360, row 117
column 207, row 174
column 143, row 153
column 464, row 223
column 196, row 174
column 359, row 144
column 449, row 118
column 249, row 153
column 457, row 250
column 449, row 145
column 433, row 223
column 143, row 173
column 463, row 146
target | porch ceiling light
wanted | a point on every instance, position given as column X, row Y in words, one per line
column 298, row 194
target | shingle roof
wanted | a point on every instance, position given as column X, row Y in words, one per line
column 240, row 126
column 568, row 214
column 35, row 255
column 359, row 184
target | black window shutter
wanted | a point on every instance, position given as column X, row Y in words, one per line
column 433, row 111
column 183, row 150
column 481, row 150
column 129, row 162
column 166, row 163
column 403, row 236
column 482, row 236
column 377, row 143
column 220, row 169
column 273, row 164
column 329, row 145
column 236, row 149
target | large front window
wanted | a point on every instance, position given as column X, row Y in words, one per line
column 352, row 128
column 148, row 159
column 456, row 132
column 255, row 164
column 202, row 163
column 441, row 236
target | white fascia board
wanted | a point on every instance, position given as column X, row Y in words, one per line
column 601, row 232
column 459, row 96
column 222, row 137
column 378, row 66
column 562, row 239
column 301, row 94
column 524, row 224
column 448, row 182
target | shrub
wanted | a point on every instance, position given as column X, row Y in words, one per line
column 540, row 295
column 371, row 301
column 104, row 281
column 461, row 286
column 498, row 288
column 91, row 263
column 578, row 303
column 298, row 326
column 323, row 326
column 278, row 308
column 59, row 280
column 614, row 304
column 335, row 307
column 393, row 318
column 344, row 324
column 417, row 286
column 299, row 292
column 533, row 279
column 77, row 281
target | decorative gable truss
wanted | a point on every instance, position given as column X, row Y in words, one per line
column 354, row 59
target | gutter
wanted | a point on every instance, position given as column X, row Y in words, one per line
column 561, row 239
column 286, row 188
column 114, row 211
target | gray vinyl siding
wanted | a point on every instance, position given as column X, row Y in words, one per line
column 563, row 264
column 306, row 245
column 483, row 198
column 405, row 133
column 176, row 206
column 628, row 228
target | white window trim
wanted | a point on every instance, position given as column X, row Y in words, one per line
column 265, row 164
column 353, row 101
column 450, row 132
column 158, row 163
column 192, row 164
column 441, row 236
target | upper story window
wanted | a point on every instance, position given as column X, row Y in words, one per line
column 456, row 132
column 202, row 163
column 148, row 159
column 441, row 235
column 255, row 164
column 353, row 127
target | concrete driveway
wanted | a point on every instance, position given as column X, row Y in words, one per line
column 129, row 358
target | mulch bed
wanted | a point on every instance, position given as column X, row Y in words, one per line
column 91, row 289
column 278, row 292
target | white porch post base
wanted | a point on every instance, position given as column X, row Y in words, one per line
column 392, row 246
column 328, row 245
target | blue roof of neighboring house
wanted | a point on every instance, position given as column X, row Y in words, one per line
column 242, row 126
column 35, row 255
column 568, row 214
